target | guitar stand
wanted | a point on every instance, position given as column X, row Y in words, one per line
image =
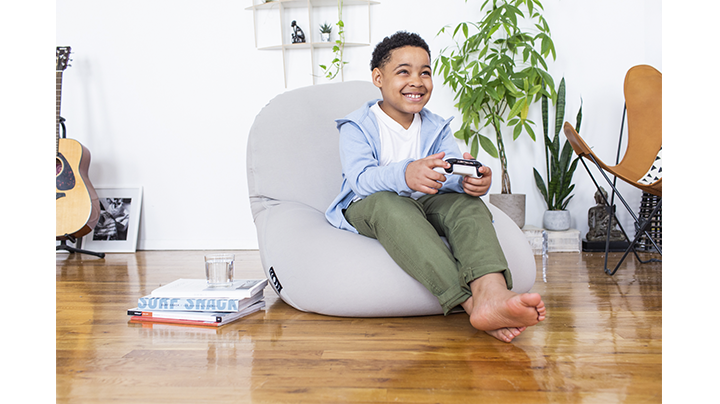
column 63, row 246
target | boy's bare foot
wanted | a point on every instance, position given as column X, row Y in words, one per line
column 506, row 334
column 500, row 312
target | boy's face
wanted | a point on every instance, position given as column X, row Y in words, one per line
column 405, row 82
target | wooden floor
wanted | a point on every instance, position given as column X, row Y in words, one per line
column 601, row 343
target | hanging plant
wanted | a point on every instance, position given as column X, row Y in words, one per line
column 336, row 65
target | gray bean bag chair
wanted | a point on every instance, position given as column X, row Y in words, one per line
column 294, row 173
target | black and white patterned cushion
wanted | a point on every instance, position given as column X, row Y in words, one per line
column 655, row 172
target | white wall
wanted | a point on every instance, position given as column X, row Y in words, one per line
column 163, row 94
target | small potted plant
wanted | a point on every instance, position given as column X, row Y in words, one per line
column 325, row 30
column 559, row 166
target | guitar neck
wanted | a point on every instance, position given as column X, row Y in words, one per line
column 58, row 92
column 62, row 56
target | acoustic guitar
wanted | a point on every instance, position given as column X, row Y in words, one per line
column 77, row 208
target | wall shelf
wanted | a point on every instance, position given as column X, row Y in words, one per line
column 311, row 45
column 285, row 44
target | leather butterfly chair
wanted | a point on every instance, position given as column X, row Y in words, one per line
column 641, row 166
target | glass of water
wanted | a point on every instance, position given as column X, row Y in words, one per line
column 219, row 269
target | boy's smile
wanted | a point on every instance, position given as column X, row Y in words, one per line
column 405, row 82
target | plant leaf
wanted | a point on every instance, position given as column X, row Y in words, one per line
column 488, row 146
column 560, row 109
column 541, row 186
column 475, row 146
column 578, row 119
column 529, row 130
column 519, row 105
column 517, row 130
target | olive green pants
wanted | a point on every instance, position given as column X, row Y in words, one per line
column 410, row 231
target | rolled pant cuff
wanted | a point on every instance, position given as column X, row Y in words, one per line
column 452, row 298
column 471, row 274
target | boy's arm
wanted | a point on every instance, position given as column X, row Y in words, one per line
column 362, row 168
column 448, row 144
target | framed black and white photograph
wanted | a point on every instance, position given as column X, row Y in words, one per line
column 119, row 222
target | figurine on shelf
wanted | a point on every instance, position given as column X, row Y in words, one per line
column 599, row 218
column 298, row 36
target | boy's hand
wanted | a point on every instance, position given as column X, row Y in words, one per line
column 420, row 176
column 477, row 186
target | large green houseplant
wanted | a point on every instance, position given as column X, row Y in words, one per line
column 559, row 165
column 497, row 69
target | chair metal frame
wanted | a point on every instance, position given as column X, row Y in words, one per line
column 641, row 224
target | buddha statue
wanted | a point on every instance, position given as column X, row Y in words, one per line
column 599, row 219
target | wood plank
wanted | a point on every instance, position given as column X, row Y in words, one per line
column 601, row 342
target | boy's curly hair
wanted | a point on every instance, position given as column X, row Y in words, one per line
column 382, row 51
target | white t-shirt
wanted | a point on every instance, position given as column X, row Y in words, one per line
column 397, row 143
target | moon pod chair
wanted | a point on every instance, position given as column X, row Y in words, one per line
column 294, row 173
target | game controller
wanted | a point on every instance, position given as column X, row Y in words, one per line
column 461, row 167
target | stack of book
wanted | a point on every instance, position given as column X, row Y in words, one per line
column 193, row 302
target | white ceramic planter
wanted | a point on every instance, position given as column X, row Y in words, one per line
column 558, row 220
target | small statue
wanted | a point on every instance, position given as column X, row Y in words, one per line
column 598, row 220
column 298, row 36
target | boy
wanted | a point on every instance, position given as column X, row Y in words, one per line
column 390, row 192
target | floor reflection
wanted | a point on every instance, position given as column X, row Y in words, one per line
column 596, row 325
column 601, row 342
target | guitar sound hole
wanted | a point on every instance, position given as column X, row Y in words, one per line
column 58, row 166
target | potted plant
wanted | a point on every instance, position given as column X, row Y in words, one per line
column 325, row 31
column 497, row 70
column 559, row 166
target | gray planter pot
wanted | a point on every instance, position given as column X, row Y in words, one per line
column 512, row 204
column 558, row 220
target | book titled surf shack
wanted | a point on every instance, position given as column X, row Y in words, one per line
column 195, row 304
